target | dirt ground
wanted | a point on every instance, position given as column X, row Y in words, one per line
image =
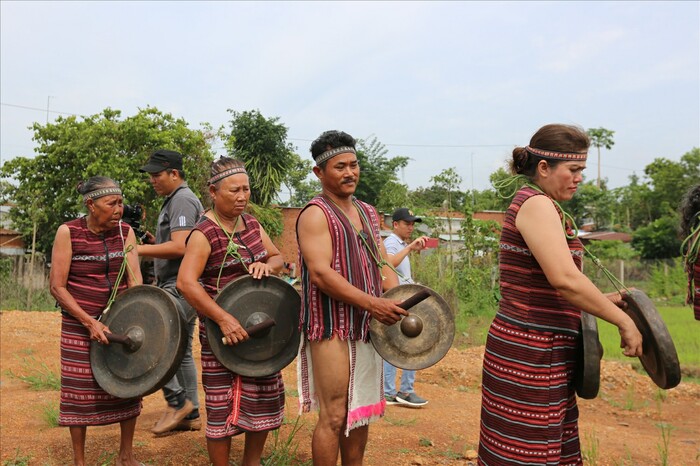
column 623, row 426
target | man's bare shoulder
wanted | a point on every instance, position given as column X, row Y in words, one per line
column 312, row 217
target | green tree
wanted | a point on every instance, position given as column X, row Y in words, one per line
column 670, row 180
column 75, row 148
column 261, row 144
column 594, row 204
column 392, row 196
column 300, row 181
column 376, row 169
column 658, row 240
column 601, row 137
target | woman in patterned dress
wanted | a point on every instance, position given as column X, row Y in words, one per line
column 528, row 411
column 227, row 244
column 88, row 253
column 690, row 231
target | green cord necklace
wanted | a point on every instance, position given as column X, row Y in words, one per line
column 514, row 183
column 231, row 248
column 362, row 234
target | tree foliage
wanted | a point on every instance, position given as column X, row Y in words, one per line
column 601, row 137
column 658, row 240
column 75, row 148
column 376, row 170
column 261, row 144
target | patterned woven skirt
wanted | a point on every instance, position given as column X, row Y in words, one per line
column 83, row 402
column 237, row 404
column 528, row 410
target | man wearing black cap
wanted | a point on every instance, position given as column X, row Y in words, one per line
column 398, row 248
column 178, row 216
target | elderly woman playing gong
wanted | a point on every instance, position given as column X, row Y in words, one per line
column 528, row 410
column 94, row 258
column 227, row 244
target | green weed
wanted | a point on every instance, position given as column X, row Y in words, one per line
column 284, row 451
column 665, row 441
column 49, row 413
column 107, row 458
column 39, row 377
column 18, row 460
column 425, row 442
column 400, row 422
column 591, row 450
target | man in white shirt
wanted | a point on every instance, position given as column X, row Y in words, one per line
column 398, row 248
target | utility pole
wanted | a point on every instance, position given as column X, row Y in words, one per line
column 48, row 102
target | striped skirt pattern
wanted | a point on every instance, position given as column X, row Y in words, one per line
column 237, row 404
column 528, row 411
column 83, row 402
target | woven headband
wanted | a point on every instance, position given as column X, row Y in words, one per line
column 101, row 193
column 329, row 154
column 226, row 173
column 549, row 154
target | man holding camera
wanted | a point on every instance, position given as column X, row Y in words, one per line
column 178, row 216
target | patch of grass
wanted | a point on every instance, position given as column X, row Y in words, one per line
column 400, row 422
column 49, row 413
column 681, row 326
column 665, row 441
column 425, row 442
column 590, row 448
column 284, row 451
column 18, row 460
column 39, row 376
column 107, row 458
column 291, row 392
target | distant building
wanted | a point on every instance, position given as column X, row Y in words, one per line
column 11, row 243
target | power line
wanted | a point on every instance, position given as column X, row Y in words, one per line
column 455, row 146
column 37, row 109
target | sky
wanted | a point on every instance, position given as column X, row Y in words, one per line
column 446, row 84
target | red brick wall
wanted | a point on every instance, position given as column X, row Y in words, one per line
column 287, row 241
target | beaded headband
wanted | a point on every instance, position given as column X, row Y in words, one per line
column 329, row 154
column 226, row 173
column 549, row 154
column 101, row 193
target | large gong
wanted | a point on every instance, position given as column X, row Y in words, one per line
column 420, row 339
column 659, row 357
column 589, row 354
column 255, row 302
column 147, row 343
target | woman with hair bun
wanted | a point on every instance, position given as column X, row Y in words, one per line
column 528, row 411
column 690, row 231
column 88, row 254
column 227, row 244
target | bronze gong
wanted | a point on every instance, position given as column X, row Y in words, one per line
column 589, row 354
column 659, row 357
column 420, row 339
column 147, row 343
column 272, row 306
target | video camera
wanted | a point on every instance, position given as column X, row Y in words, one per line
column 134, row 215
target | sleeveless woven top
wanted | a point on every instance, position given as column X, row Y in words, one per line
column 528, row 300
column 250, row 247
column 322, row 317
column 95, row 263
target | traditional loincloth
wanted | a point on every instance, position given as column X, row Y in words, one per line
column 365, row 390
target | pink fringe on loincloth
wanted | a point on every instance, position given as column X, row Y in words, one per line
column 365, row 391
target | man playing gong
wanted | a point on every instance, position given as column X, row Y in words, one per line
column 344, row 271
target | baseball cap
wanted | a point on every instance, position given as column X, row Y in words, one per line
column 162, row 160
column 405, row 215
